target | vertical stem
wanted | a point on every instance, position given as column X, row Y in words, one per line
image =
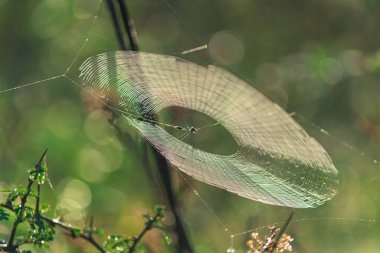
column 281, row 232
column 116, row 24
column 148, row 226
column 38, row 200
column 183, row 241
column 128, row 24
column 18, row 220
column 184, row 245
column 11, row 247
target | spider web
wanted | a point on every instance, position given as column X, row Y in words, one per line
column 277, row 162
column 138, row 118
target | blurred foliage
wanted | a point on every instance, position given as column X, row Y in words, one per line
column 319, row 59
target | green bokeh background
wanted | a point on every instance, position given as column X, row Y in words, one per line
column 319, row 59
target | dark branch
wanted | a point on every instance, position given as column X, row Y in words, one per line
column 148, row 226
column 24, row 198
column 38, row 164
column 183, row 241
column 11, row 246
column 71, row 232
column 116, row 24
column 128, row 25
column 282, row 231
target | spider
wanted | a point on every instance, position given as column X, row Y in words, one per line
column 191, row 129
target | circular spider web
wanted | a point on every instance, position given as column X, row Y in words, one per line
column 277, row 162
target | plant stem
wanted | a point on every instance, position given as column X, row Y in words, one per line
column 11, row 246
column 38, row 200
column 148, row 227
column 24, row 198
column 115, row 20
column 281, row 232
column 71, row 231
column 128, row 25
column 183, row 241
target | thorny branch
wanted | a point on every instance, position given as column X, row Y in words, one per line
column 282, row 231
column 151, row 223
column 24, row 198
column 42, row 228
column 277, row 241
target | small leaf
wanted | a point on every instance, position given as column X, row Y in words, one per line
column 168, row 240
column 77, row 231
column 28, row 212
column 159, row 209
column 118, row 243
column 98, row 231
column 147, row 216
column 15, row 193
column 45, row 208
column 3, row 214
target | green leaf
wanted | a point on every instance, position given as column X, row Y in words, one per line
column 44, row 208
column 147, row 216
column 167, row 240
column 95, row 230
column 159, row 209
column 3, row 214
column 38, row 174
column 77, row 231
column 28, row 212
column 15, row 193
column 118, row 243
column 41, row 233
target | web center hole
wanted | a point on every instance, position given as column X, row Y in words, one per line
column 198, row 130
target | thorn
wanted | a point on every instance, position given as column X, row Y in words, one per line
column 91, row 221
column 42, row 158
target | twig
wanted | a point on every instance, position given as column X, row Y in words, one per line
column 183, row 242
column 38, row 164
column 119, row 33
column 71, row 231
column 281, row 232
column 128, row 25
column 11, row 246
column 42, row 228
column 148, row 226
column 38, row 200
